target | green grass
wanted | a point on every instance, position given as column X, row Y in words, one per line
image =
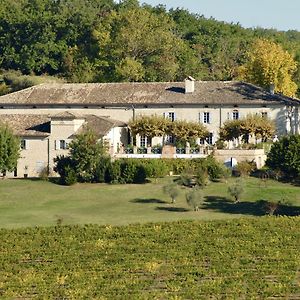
column 249, row 258
column 40, row 203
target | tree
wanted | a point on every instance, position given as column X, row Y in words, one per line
column 230, row 130
column 150, row 51
column 186, row 131
column 251, row 126
column 149, row 126
column 85, row 152
column 285, row 156
column 172, row 191
column 269, row 64
column 9, row 149
column 236, row 190
column 195, row 198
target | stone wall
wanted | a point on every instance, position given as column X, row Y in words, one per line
column 233, row 156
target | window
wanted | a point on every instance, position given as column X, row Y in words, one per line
column 264, row 115
column 23, row 144
column 235, row 115
column 171, row 116
column 206, row 117
column 210, row 138
column 170, row 139
column 63, row 144
column 143, row 141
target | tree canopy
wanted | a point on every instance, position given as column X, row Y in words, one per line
column 252, row 125
column 182, row 130
column 9, row 149
column 269, row 64
column 103, row 41
column 285, row 156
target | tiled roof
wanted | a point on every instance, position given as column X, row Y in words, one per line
column 100, row 125
column 39, row 125
column 27, row 125
column 105, row 94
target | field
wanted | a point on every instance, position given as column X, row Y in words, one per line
column 249, row 258
column 41, row 203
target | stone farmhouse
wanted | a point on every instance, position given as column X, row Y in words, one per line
column 46, row 117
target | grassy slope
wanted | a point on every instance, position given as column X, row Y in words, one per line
column 34, row 203
column 255, row 258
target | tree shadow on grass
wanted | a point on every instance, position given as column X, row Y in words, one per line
column 148, row 201
column 224, row 205
column 172, row 209
column 257, row 208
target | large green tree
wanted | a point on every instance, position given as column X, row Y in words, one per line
column 9, row 149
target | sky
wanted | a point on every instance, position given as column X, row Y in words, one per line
column 278, row 14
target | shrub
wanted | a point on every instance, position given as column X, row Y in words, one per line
column 63, row 164
column 245, row 168
column 101, row 169
column 155, row 168
column 186, row 180
column 236, row 190
column 172, row 191
column 202, row 178
column 214, row 168
column 140, row 174
column 44, row 174
column 195, row 198
column 285, row 156
column 70, row 176
column 220, row 144
column 113, row 172
column 128, row 169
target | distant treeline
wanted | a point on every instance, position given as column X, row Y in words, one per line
column 101, row 41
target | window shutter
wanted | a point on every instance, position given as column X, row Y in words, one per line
column 210, row 118
column 165, row 115
column 174, row 116
column 200, row 117
column 229, row 115
column 26, row 145
column 57, row 144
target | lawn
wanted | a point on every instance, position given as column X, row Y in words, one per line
column 41, row 203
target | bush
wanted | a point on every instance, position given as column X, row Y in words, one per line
column 214, row 168
column 140, row 174
column 101, row 169
column 195, row 198
column 186, row 180
column 63, row 166
column 202, row 178
column 285, row 156
column 172, row 191
column 244, row 168
column 113, row 172
column 70, row 176
column 155, row 168
column 44, row 174
column 236, row 190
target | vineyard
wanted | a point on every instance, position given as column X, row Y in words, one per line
column 250, row 258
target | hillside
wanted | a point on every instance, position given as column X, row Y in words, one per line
column 99, row 41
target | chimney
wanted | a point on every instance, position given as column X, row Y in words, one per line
column 189, row 85
column 272, row 88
